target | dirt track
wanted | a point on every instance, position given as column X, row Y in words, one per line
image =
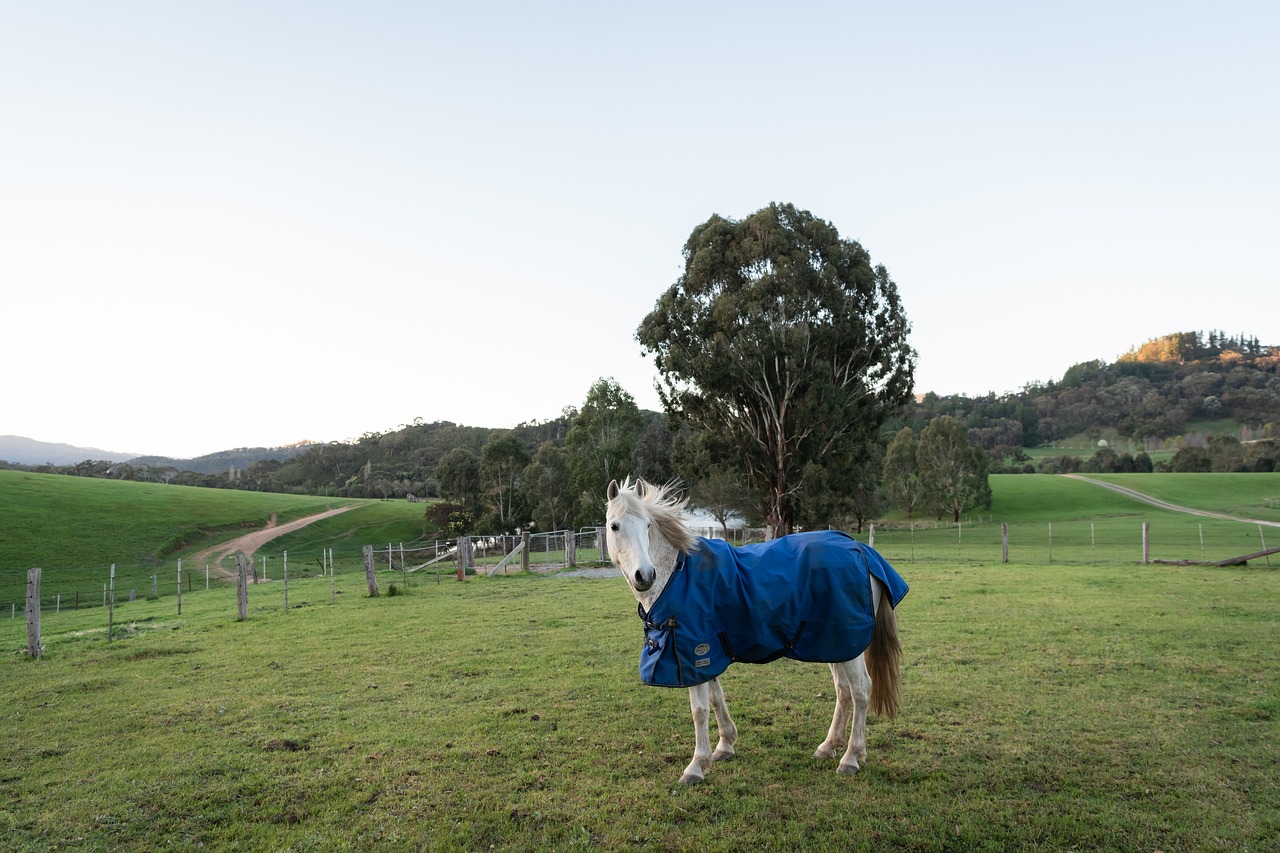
column 249, row 543
column 1148, row 499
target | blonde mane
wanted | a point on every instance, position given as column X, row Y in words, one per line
column 661, row 505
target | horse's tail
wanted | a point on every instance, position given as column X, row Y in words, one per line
column 883, row 658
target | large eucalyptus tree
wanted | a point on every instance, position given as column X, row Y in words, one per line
column 784, row 344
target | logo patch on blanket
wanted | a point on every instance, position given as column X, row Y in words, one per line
column 806, row 596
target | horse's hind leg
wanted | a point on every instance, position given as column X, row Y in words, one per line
column 728, row 730
column 853, row 694
column 835, row 741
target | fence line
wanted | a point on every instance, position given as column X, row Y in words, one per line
column 984, row 542
column 1112, row 541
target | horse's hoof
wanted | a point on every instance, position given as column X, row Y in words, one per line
column 689, row 779
column 824, row 752
column 722, row 755
column 848, row 769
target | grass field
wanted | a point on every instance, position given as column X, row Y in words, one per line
column 1244, row 495
column 1100, row 707
column 1057, row 520
column 1084, row 446
column 1069, row 698
column 74, row 528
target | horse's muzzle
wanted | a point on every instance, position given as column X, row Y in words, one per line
column 643, row 580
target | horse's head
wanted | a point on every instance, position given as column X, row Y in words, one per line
column 646, row 532
column 627, row 532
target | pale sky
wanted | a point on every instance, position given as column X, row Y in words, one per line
column 230, row 224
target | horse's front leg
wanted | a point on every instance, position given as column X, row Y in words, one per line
column 700, row 705
column 728, row 731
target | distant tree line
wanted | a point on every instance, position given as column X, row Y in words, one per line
column 930, row 457
column 546, row 474
column 1163, row 395
column 1222, row 453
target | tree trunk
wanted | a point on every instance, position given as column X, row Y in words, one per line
column 780, row 520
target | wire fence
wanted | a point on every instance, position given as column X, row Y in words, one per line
column 1103, row 541
column 80, row 588
column 1110, row 541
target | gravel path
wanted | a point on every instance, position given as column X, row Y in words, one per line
column 1148, row 499
column 605, row 572
column 249, row 543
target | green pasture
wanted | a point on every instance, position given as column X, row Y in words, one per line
column 1055, row 520
column 1085, row 446
column 1081, row 445
column 1045, row 707
column 70, row 521
column 1244, row 495
column 373, row 523
column 75, row 528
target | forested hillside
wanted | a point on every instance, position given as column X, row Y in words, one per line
column 1172, row 392
column 1199, row 402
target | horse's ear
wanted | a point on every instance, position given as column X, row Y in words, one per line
column 612, row 491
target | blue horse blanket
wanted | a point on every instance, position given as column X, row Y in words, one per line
column 806, row 596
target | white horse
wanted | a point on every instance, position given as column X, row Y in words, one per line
column 649, row 541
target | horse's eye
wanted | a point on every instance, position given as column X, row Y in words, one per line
column 614, row 527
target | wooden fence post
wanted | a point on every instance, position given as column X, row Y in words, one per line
column 179, row 586
column 370, row 578
column 33, row 613
column 286, row 581
column 111, row 604
column 871, row 535
column 1146, row 542
column 1004, row 542
column 242, row 587
column 462, row 558
column 524, row 555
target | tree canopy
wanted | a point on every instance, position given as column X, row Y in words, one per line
column 602, row 444
column 952, row 473
column 783, row 342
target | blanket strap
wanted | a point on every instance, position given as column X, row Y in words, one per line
column 665, row 627
column 785, row 651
